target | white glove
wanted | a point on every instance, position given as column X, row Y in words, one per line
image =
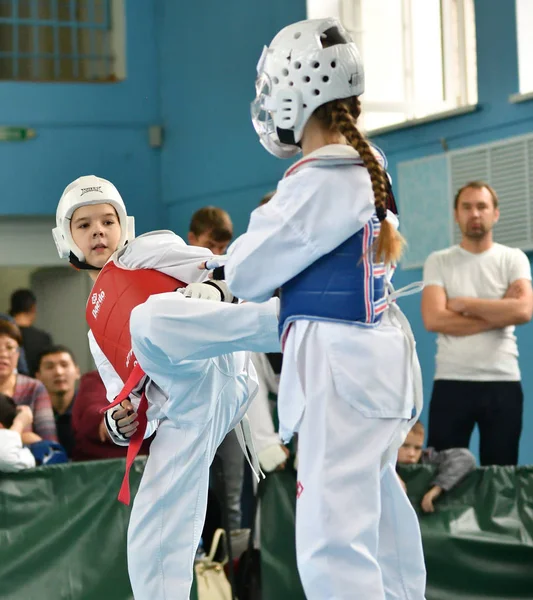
column 209, row 290
column 271, row 457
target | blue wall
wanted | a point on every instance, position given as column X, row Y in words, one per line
column 496, row 118
column 84, row 128
column 207, row 68
column 191, row 68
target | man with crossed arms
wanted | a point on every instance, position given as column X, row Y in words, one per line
column 475, row 293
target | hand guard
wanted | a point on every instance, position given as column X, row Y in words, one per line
column 112, row 428
column 209, row 290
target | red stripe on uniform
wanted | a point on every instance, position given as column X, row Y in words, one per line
column 324, row 160
column 366, row 263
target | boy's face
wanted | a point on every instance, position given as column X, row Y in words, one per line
column 205, row 240
column 95, row 229
column 411, row 451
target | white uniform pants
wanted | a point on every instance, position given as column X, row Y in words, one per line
column 206, row 399
column 357, row 535
column 169, row 510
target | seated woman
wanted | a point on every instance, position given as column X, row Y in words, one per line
column 24, row 390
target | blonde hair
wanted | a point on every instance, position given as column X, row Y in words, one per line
column 341, row 116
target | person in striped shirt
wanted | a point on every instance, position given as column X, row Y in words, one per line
column 24, row 390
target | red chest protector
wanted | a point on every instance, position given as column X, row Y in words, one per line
column 115, row 294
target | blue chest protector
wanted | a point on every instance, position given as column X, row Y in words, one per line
column 344, row 286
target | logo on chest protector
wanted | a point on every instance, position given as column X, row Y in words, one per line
column 97, row 300
column 129, row 357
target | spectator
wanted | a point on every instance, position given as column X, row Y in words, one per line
column 58, row 371
column 22, row 364
column 91, row 438
column 453, row 465
column 24, row 390
column 14, row 456
column 474, row 295
column 24, row 311
column 267, row 198
column 272, row 453
column 211, row 228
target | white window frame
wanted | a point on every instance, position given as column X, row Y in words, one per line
column 524, row 18
column 459, row 95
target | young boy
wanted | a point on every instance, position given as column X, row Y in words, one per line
column 196, row 381
column 452, row 465
column 211, row 228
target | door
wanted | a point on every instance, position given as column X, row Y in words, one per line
column 61, row 296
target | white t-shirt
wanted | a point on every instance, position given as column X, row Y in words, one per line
column 491, row 355
column 13, row 455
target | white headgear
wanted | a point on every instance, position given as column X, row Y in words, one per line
column 296, row 74
column 82, row 192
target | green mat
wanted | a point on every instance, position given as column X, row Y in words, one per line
column 63, row 534
column 478, row 544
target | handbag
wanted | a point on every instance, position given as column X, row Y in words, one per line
column 211, row 580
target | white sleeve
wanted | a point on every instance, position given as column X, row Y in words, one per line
column 296, row 228
column 519, row 266
column 433, row 271
column 166, row 252
column 171, row 328
column 259, row 412
column 114, row 384
column 13, row 455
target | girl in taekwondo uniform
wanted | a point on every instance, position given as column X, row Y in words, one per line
column 350, row 382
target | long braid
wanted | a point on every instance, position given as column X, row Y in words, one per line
column 341, row 116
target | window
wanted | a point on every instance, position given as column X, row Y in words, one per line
column 524, row 27
column 419, row 55
column 62, row 40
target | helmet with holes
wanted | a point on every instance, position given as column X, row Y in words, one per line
column 84, row 191
column 307, row 64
